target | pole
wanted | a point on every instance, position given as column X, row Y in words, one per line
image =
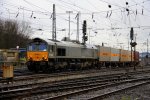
column 128, row 44
column 69, row 22
column 89, row 35
column 134, row 54
column 131, row 52
column 54, row 24
column 69, row 26
column 131, row 37
column 142, row 60
column 147, row 52
column 147, row 47
column 78, row 15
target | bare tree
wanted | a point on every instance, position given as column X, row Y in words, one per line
column 13, row 34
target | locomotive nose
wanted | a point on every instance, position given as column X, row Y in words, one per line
column 38, row 56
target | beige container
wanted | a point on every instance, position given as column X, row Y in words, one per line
column 104, row 53
column 8, row 71
column 124, row 55
column 115, row 55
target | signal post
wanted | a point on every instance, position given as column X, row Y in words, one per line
column 133, row 44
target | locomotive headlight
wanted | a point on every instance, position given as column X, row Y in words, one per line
column 44, row 58
column 30, row 58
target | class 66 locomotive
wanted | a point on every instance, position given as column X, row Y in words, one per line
column 37, row 54
column 45, row 55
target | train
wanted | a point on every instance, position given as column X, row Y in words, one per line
column 47, row 55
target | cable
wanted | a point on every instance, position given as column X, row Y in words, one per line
column 74, row 5
column 92, row 5
column 140, row 5
column 47, row 18
column 83, row 13
column 33, row 5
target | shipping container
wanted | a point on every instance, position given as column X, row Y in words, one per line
column 129, row 56
column 124, row 55
column 115, row 53
column 104, row 53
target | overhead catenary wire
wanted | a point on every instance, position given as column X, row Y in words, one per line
column 81, row 13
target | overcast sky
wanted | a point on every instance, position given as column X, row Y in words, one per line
column 108, row 21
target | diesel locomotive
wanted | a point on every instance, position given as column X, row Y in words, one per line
column 48, row 55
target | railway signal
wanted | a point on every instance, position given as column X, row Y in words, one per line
column 84, row 28
column 133, row 44
column 131, row 33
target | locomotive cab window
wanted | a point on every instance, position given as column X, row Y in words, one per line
column 37, row 46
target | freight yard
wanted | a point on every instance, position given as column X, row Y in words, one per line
column 74, row 50
column 86, row 85
column 105, row 82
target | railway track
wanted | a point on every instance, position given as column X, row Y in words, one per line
column 56, row 77
column 41, row 78
column 9, row 86
column 25, row 78
column 50, row 84
column 115, row 91
column 42, row 88
column 67, row 88
column 33, row 76
column 25, row 73
column 101, row 91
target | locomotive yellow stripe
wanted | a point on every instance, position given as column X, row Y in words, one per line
column 37, row 55
column 114, row 55
column 108, row 54
column 104, row 54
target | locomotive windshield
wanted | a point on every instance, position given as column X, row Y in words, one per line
column 37, row 47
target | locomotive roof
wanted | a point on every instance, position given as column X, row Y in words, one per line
column 67, row 43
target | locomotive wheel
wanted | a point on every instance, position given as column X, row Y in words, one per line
column 45, row 69
column 37, row 68
column 30, row 68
